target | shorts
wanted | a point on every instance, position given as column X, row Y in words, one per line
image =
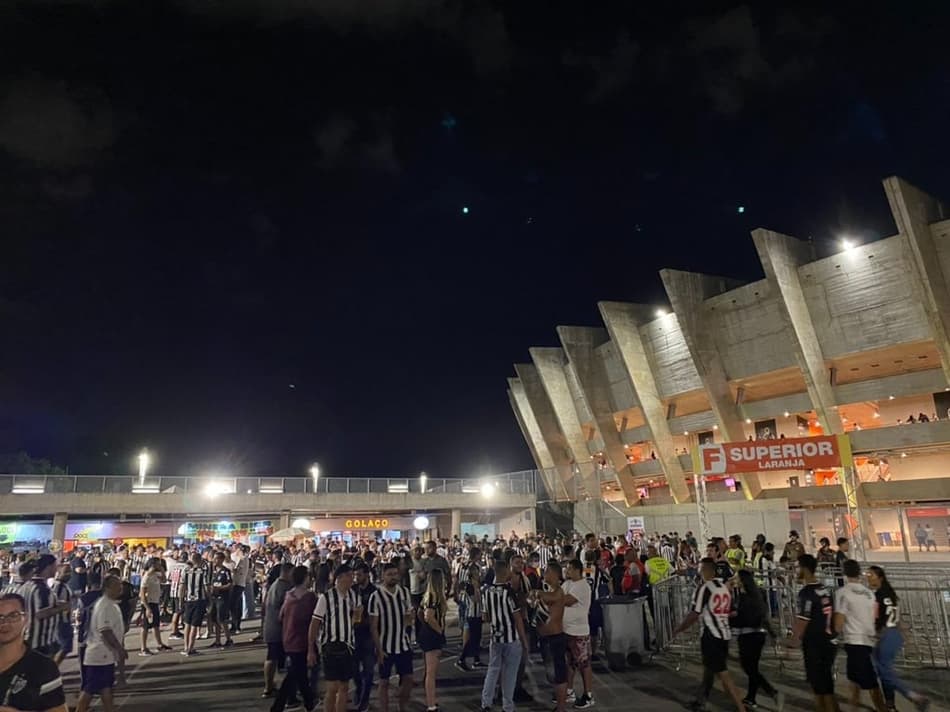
column 428, row 639
column 194, row 612
column 557, row 651
column 819, row 661
column 64, row 636
column 715, row 652
column 156, row 612
column 220, row 610
column 402, row 662
column 860, row 666
column 578, row 649
column 337, row 662
column 98, row 678
column 276, row 654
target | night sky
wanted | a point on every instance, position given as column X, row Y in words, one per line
column 233, row 231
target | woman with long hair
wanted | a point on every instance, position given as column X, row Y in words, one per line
column 469, row 598
column 749, row 622
column 431, row 633
column 890, row 640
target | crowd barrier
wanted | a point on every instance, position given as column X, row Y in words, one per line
column 924, row 594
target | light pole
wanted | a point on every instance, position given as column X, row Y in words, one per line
column 315, row 474
column 423, row 480
column 144, row 462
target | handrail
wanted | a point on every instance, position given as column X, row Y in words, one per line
column 521, row 482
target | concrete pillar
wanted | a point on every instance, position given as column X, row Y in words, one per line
column 580, row 344
column 623, row 324
column 550, row 431
column 913, row 212
column 687, row 292
column 543, row 459
column 456, row 523
column 550, row 363
column 284, row 519
column 59, row 528
column 781, row 256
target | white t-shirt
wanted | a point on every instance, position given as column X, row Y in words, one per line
column 856, row 603
column 575, row 616
column 105, row 616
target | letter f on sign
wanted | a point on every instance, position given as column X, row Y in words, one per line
column 713, row 458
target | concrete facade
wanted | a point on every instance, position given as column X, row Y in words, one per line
column 849, row 340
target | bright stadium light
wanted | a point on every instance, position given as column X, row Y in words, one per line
column 215, row 487
column 301, row 523
column 144, row 461
column 488, row 489
column 423, row 481
column 315, row 474
column 420, row 523
column 660, row 313
column 848, row 244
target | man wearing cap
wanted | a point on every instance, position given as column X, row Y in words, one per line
column 793, row 547
column 42, row 607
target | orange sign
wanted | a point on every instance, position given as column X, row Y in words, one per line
column 786, row 454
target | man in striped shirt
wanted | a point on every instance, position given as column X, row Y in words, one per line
column 712, row 604
column 391, row 617
column 194, row 587
column 509, row 641
column 42, row 607
column 64, row 627
column 334, row 617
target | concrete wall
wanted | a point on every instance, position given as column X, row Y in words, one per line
column 621, row 390
column 231, row 505
column 766, row 516
column 750, row 330
column 522, row 521
column 860, row 299
column 669, row 357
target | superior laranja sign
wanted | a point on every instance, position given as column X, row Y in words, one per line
column 817, row 453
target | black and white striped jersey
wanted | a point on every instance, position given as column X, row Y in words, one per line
column 391, row 608
column 713, row 602
column 39, row 633
column 545, row 554
column 63, row 594
column 501, row 609
column 335, row 611
column 471, row 598
column 194, row 583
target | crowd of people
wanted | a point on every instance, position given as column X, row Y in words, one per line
column 355, row 613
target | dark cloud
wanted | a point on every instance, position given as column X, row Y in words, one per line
column 344, row 143
column 53, row 125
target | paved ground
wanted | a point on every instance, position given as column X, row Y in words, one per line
column 232, row 680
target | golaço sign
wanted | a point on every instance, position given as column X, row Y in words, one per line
column 787, row 454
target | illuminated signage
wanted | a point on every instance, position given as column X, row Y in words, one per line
column 367, row 523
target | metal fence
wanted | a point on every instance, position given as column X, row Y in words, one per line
column 509, row 483
column 924, row 593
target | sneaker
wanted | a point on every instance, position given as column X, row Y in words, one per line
column 176, row 636
column 184, row 653
column 215, row 645
column 751, row 704
column 145, row 653
column 584, row 701
column 463, row 666
column 569, row 698
column 228, row 643
column 164, row 647
column 267, row 693
column 477, row 664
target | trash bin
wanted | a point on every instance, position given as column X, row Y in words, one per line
column 623, row 630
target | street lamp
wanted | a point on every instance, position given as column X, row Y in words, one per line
column 144, row 462
column 315, row 474
column 423, row 480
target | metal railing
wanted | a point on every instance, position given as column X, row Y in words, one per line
column 512, row 483
column 924, row 595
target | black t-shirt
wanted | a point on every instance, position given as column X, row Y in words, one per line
column 273, row 574
column 77, row 580
column 816, row 605
column 888, row 613
column 32, row 683
column 723, row 570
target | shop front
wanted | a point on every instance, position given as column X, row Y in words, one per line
column 350, row 529
column 251, row 533
column 26, row 534
column 115, row 534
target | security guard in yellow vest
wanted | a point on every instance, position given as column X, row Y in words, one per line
column 657, row 567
